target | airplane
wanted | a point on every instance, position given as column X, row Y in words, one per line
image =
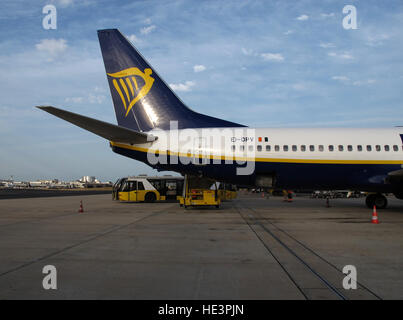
column 157, row 128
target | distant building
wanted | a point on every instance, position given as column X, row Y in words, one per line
column 89, row 179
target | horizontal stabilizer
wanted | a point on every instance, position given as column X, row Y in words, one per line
column 103, row 129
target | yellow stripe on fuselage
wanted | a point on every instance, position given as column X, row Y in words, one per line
column 279, row 160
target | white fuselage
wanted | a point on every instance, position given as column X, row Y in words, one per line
column 289, row 157
column 289, row 144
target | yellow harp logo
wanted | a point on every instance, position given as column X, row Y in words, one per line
column 126, row 82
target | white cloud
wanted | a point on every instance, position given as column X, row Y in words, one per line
column 147, row 21
column 199, row 68
column 147, row 30
column 377, row 39
column 327, row 15
column 288, row 32
column 340, row 78
column 74, row 99
column 63, row 3
column 327, row 45
column 272, row 56
column 299, row 86
column 133, row 38
column 52, row 46
column 346, row 79
column 99, row 89
column 247, row 52
column 98, row 99
column 364, row 82
column 97, row 96
column 184, row 87
column 344, row 55
column 303, row 17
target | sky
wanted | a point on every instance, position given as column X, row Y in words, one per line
column 259, row 63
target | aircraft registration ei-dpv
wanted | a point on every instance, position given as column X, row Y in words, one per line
column 157, row 128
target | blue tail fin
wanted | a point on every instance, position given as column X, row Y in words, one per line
column 142, row 100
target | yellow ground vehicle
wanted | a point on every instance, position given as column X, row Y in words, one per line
column 147, row 189
column 227, row 191
column 198, row 193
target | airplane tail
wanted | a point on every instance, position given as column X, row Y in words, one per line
column 142, row 100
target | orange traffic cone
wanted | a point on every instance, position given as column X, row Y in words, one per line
column 289, row 196
column 81, row 207
column 374, row 216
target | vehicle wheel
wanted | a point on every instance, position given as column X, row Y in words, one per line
column 217, row 206
column 150, row 197
column 380, row 201
column 370, row 200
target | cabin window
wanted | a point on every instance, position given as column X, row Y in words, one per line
column 276, row 148
column 250, row 148
column 268, row 147
column 242, row 148
column 303, row 148
column 341, row 148
column 359, row 147
column 294, row 148
column 378, row 147
column 259, row 148
column 266, row 139
column 321, row 148
column 140, row 186
column 233, row 148
column 369, row 148
column 331, row 148
column 387, row 147
column 395, row 148
column 350, row 148
column 285, row 148
column 127, row 186
column 311, row 148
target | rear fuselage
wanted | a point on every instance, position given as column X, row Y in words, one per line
column 301, row 158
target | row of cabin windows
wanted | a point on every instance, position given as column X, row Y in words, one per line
column 321, row 148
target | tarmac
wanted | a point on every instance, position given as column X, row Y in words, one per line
column 251, row 248
column 11, row 193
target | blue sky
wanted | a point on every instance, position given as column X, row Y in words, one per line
column 259, row 63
